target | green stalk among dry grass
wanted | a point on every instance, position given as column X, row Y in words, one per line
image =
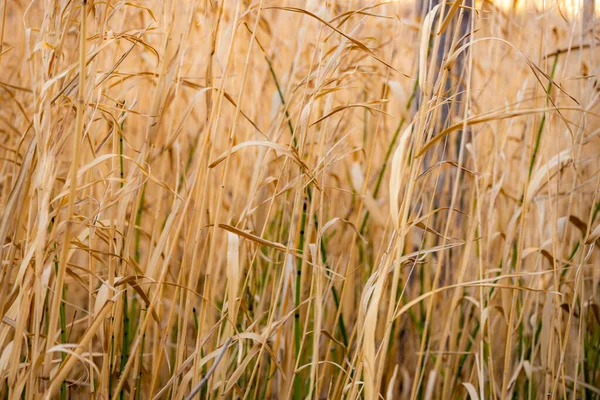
column 299, row 199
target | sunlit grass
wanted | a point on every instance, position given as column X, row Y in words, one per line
column 303, row 199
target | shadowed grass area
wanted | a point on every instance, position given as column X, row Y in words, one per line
column 299, row 199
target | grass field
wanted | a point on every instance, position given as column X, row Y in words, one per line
column 266, row 199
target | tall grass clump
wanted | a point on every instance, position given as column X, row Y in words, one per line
column 261, row 199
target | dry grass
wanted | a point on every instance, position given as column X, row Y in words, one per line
column 289, row 199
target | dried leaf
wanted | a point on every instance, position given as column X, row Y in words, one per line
column 397, row 174
column 259, row 240
column 469, row 386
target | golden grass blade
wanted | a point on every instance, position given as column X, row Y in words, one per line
column 259, row 240
column 275, row 146
column 471, row 390
column 397, row 174
column 451, row 12
column 540, row 177
column 424, row 48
